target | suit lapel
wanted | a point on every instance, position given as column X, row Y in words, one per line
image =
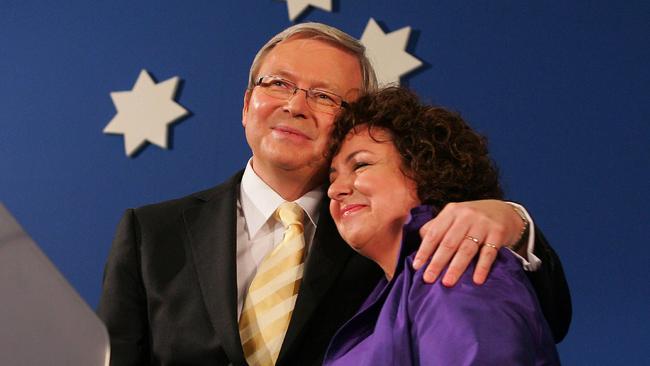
column 212, row 228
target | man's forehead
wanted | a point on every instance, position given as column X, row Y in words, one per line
column 315, row 62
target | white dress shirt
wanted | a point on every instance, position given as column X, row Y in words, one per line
column 258, row 232
column 532, row 263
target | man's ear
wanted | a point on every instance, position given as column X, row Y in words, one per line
column 247, row 98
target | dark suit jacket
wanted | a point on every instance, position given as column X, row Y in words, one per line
column 170, row 288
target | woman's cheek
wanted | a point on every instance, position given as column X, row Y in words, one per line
column 335, row 210
column 363, row 183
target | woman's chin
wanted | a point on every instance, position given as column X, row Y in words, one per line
column 352, row 243
column 358, row 247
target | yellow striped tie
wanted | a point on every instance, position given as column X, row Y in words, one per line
column 273, row 292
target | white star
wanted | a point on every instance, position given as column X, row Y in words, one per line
column 145, row 113
column 387, row 52
column 296, row 7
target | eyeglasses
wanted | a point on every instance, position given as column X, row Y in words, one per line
column 317, row 99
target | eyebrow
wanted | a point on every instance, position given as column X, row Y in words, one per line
column 350, row 157
column 355, row 153
column 319, row 84
column 283, row 74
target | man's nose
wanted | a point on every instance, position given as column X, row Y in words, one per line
column 297, row 103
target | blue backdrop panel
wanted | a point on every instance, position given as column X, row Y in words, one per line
column 560, row 88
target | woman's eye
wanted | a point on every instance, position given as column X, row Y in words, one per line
column 360, row 164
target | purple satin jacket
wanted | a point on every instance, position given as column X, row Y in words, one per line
column 408, row 322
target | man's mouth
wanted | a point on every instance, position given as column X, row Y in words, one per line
column 290, row 132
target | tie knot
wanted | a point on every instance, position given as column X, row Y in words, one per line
column 289, row 213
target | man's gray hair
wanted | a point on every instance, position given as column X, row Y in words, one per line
column 325, row 33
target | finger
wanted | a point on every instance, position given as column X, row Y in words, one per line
column 467, row 250
column 459, row 263
column 493, row 241
column 448, row 246
column 486, row 258
column 433, row 232
column 427, row 245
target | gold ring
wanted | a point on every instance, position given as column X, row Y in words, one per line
column 492, row 246
column 475, row 240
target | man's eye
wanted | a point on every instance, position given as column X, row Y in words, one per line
column 322, row 97
column 275, row 84
column 278, row 83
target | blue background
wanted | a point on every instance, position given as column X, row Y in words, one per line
column 561, row 89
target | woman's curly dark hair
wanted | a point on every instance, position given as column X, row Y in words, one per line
column 446, row 158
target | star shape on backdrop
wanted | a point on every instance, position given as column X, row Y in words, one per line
column 296, row 7
column 145, row 112
column 387, row 52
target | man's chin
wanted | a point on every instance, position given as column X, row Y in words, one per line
column 294, row 161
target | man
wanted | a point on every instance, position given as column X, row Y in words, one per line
column 178, row 275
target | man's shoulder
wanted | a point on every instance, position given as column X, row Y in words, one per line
column 225, row 190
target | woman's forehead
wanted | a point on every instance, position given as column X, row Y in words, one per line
column 377, row 140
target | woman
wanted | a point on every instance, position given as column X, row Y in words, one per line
column 395, row 162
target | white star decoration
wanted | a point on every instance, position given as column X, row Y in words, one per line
column 145, row 113
column 296, row 7
column 387, row 53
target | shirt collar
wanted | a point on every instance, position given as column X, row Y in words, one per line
column 259, row 201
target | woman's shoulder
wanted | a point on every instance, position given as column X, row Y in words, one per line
column 506, row 283
column 499, row 322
